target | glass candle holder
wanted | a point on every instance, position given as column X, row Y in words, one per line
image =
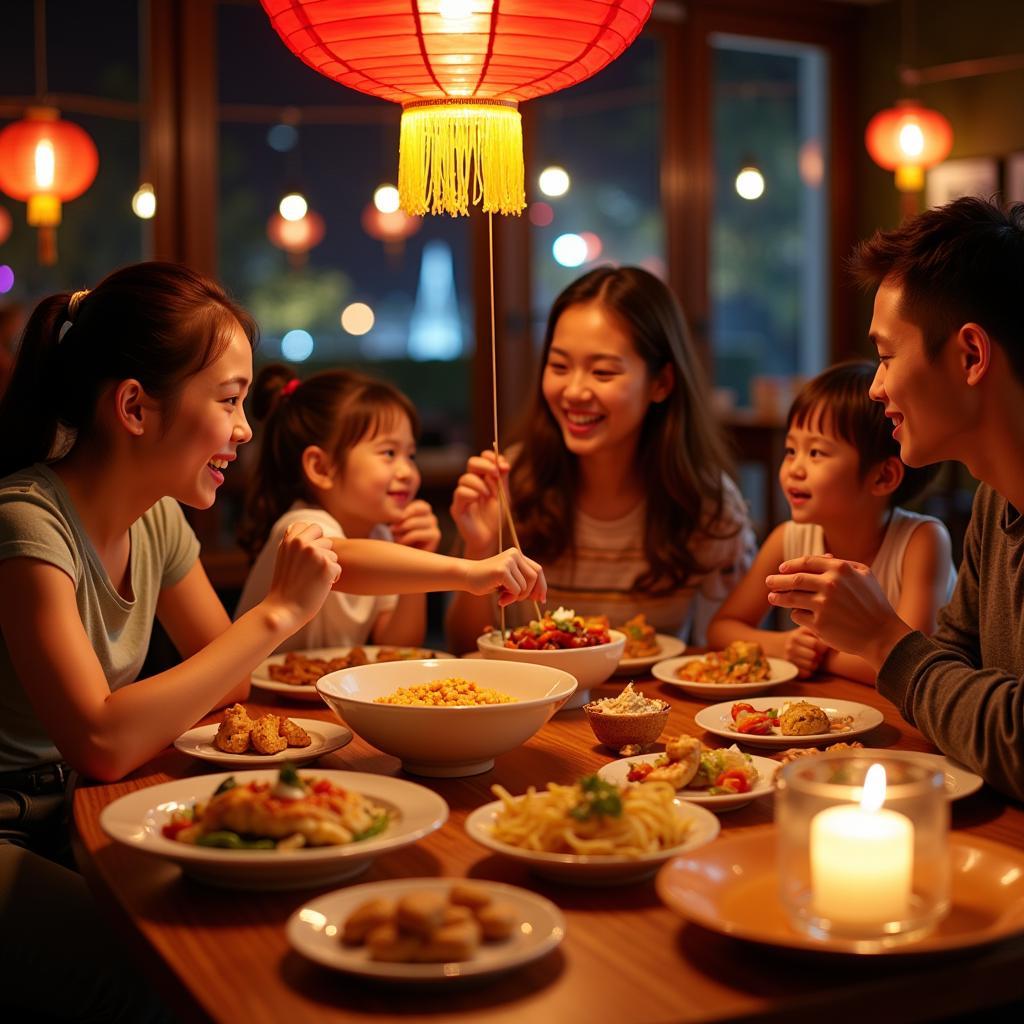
column 863, row 857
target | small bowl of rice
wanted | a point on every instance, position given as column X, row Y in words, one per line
column 627, row 720
column 446, row 718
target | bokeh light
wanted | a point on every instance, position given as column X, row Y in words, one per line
column 6, row 278
column 297, row 346
column 569, row 250
column 357, row 318
column 593, row 243
column 293, row 206
column 282, row 137
column 540, row 214
column 750, row 183
column 385, row 198
column 553, row 181
column 144, row 201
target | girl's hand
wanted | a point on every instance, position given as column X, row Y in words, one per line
column 514, row 576
column 305, row 569
column 475, row 508
column 805, row 650
column 417, row 527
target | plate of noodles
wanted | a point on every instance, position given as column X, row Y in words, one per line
column 742, row 669
column 295, row 673
column 592, row 832
column 274, row 829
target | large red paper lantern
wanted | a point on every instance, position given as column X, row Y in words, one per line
column 46, row 161
column 906, row 139
column 459, row 68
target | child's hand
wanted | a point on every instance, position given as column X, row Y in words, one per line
column 417, row 527
column 805, row 650
column 475, row 508
column 513, row 575
column 305, row 569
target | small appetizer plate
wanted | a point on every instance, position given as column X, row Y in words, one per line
column 307, row 691
column 781, row 672
column 325, row 736
column 668, row 647
column 592, row 869
column 717, row 720
column 314, row 930
column 960, row 781
column 137, row 819
column 616, row 771
column 732, row 888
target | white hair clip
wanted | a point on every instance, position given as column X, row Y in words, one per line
column 64, row 328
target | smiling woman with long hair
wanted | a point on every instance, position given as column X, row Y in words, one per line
column 620, row 480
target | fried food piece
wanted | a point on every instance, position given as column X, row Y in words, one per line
column 266, row 736
column 365, row 918
column 421, row 912
column 389, row 944
column 795, row 753
column 498, row 920
column 451, row 942
column 455, row 915
column 294, row 735
column 233, row 732
column 802, row 718
column 465, row 894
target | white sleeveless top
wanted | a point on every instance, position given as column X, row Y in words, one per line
column 809, row 539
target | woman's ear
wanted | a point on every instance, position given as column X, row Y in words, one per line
column 886, row 476
column 664, row 382
column 318, row 467
column 133, row 408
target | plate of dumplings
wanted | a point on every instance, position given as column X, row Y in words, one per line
column 251, row 741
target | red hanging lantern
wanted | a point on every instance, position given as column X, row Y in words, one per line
column 459, row 68
column 296, row 236
column 45, row 162
column 907, row 139
column 389, row 228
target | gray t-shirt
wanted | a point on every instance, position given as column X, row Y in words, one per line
column 38, row 520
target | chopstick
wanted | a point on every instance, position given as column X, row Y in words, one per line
column 506, row 509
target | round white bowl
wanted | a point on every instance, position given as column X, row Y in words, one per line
column 446, row 742
column 589, row 665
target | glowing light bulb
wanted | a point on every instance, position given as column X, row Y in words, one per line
column 455, row 10
column 297, row 345
column 293, row 206
column 569, row 250
column 144, row 202
column 911, row 139
column 750, row 183
column 385, row 198
column 553, row 181
column 357, row 318
column 45, row 164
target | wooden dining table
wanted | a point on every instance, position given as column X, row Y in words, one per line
column 222, row 955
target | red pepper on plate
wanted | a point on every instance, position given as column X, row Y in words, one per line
column 733, row 780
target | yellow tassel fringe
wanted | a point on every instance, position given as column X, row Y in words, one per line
column 451, row 154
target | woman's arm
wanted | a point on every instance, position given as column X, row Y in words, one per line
column 745, row 608
column 106, row 735
column 193, row 616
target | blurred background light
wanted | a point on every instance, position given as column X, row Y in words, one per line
column 297, row 346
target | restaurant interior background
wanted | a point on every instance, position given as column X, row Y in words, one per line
column 199, row 101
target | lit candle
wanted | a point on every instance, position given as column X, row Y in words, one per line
column 862, row 859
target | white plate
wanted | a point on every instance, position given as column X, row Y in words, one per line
column 326, row 736
column 781, row 672
column 669, row 647
column 261, row 677
column 313, row 930
column 584, row 869
column 717, row 719
column 616, row 771
column 960, row 781
column 136, row 821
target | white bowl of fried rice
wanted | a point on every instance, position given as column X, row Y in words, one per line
column 446, row 718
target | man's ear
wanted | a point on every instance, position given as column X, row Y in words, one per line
column 318, row 467
column 974, row 349
column 884, row 478
column 133, row 407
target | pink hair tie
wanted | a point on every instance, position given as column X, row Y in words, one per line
column 289, row 387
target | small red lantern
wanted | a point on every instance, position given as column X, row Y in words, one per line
column 459, row 68
column 46, row 161
column 906, row 139
column 296, row 237
column 389, row 228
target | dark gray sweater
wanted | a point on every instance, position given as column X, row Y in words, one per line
column 964, row 687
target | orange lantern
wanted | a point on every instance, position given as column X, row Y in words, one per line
column 459, row 68
column 906, row 139
column 296, row 236
column 45, row 161
column 392, row 227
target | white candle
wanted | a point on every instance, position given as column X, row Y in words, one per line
column 862, row 860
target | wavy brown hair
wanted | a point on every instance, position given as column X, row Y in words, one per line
column 335, row 410
column 681, row 454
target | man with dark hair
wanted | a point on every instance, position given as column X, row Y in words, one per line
column 948, row 325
